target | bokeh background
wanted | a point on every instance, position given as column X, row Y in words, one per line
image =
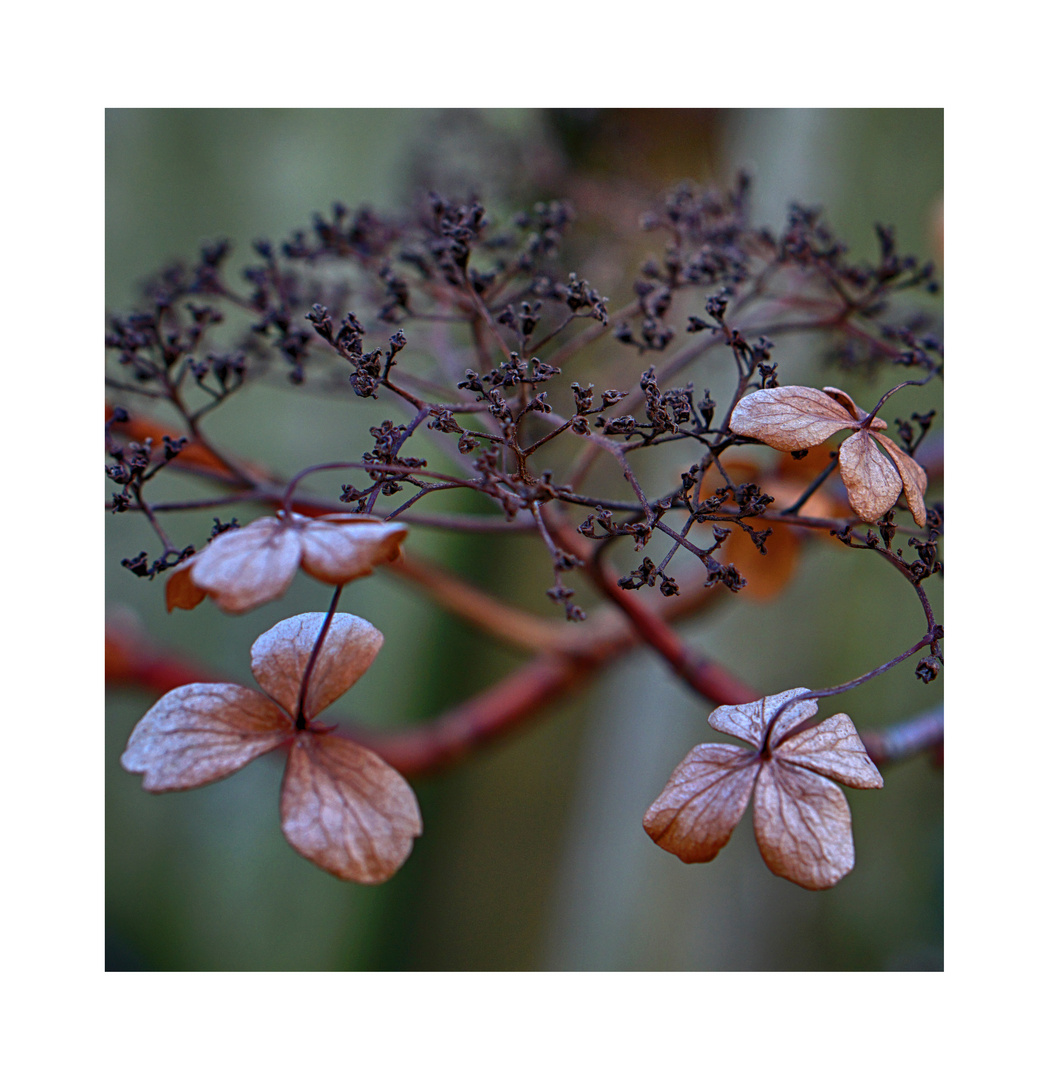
column 533, row 855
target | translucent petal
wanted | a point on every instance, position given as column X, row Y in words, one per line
column 914, row 479
column 346, row 810
column 280, row 656
column 244, row 568
column 337, row 551
column 871, row 479
column 877, row 424
column 703, row 801
column 202, row 732
column 790, row 417
column 748, row 722
column 803, row 826
column 833, row 749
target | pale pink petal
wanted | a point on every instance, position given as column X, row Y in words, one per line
column 244, row 568
column 703, row 801
column 346, row 810
column 833, row 749
column 202, row 732
column 871, row 479
column 279, row 658
column 180, row 592
column 790, row 417
column 914, row 479
column 803, row 826
column 748, row 722
column 337, row 551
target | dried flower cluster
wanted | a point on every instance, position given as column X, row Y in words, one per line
column 798, row 417
column 485, row 383
column 243, row 568
column 341, row 806
column 801, row 819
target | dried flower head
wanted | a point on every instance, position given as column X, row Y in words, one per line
column 801, row 819
column 798, row 417
column 341, row 805
column 243, row 568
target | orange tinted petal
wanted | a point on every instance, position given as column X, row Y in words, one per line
column 766, row 575
column 180, row 591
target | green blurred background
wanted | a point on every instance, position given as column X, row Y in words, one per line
column 533, row 855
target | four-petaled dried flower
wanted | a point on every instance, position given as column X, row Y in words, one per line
column 798, row 417
column 801, row 819
column 341, row 805
column 243, row 568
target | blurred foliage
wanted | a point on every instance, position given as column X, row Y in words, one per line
column 533, row 855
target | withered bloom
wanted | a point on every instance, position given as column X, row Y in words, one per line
column 244, row 568
column 341, row 805
column 799, row 417
column 801, row 819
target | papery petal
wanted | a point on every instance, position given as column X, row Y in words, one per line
column 180, row 591
column 872, row 481
column 279, row 658
column 803, row 826
column 703, row 801
column 337, row 551
column 749, row 721
column 244, row 568
column 346, row 810
column 833, row 749
column 790, row 417
column 202, row 732
column 846, row 401
column 914, row 479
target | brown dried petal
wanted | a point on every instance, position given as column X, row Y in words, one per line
column 845, row 400
column 833, row 749
column 790, row 417
column 703, row 801
column 803, row 826
column 872, row 481
column 244, row 568
column 914, row 479
column 346, row 810
column 748, row 722
column 337, row 551
column 279, row 658
column 180, row 592
column 203, row 732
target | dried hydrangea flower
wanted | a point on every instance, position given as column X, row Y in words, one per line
column 801, row 819
column 243, row 568
column 798, row 417
column 341, row 805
